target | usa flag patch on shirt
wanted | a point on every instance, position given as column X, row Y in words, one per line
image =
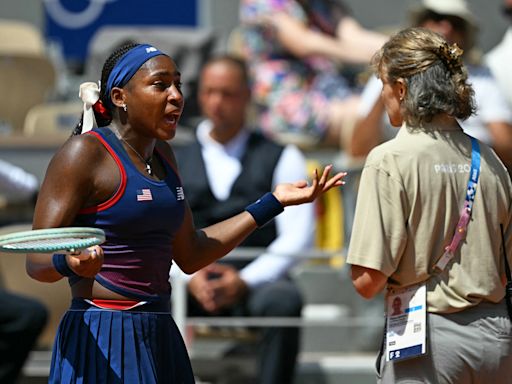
column 144, row 194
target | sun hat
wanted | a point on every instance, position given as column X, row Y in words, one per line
column 457, row 8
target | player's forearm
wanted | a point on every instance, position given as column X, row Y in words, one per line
column 295, row 236
column 40, row 268
column 211, row 243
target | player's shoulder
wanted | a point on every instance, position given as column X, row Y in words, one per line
column 81, row 148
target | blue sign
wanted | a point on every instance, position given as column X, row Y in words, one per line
column 72, row 23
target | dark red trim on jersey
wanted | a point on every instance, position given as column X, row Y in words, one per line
column 122, row 186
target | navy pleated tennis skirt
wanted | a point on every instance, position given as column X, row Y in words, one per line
column 142, row 345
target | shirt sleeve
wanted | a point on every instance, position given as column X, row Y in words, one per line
column 379, row 233
column 295, row 227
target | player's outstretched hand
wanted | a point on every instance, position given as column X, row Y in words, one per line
column 300, row 192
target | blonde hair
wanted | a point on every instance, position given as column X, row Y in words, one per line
column 433, row 72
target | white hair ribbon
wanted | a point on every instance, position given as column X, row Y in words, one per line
column 90, row 94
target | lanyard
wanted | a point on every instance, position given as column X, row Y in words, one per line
column 465, row 215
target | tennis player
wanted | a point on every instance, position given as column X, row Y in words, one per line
column 121, row 176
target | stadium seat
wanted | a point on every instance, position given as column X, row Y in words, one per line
column 21, row 38
column 27, row 75
column 52, row 119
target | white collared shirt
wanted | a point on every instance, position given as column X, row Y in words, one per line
column 295, row 226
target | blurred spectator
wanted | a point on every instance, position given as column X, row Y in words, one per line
column 295, row 48
column 22, row 319
column 492, row 123
column 498, row 58
column 223, row 170
column 16, row 185
column 18, row 192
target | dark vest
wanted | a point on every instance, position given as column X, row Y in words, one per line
column 258, row 164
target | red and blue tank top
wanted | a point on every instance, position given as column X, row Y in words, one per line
column 140, row 221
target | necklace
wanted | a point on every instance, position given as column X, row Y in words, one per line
column 146, row 162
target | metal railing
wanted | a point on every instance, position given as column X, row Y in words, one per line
column 179, row 301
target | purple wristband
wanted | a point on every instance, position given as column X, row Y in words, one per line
column 265, row 209
column 60, row 264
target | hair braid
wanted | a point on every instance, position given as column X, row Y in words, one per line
column 109, row 64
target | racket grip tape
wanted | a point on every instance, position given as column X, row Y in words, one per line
column 265, row 209
column 60, row 264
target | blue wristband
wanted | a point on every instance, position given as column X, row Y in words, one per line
column 60, row 264
column 265, row 209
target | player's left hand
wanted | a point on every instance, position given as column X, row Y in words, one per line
column 300, row 192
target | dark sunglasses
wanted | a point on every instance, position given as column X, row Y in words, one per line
column 458, row 23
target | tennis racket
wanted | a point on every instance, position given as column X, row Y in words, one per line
column 69, row 239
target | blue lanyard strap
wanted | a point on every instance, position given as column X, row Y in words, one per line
column 474, row 174
column 465, row 215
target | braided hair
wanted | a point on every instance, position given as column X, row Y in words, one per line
column 105, row 117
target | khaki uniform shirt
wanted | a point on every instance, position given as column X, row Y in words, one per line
column 410, row 196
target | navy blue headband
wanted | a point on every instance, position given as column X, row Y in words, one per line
column 127, row 66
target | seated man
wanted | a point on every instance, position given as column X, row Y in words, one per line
column 22, row 319
column 226, row 168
